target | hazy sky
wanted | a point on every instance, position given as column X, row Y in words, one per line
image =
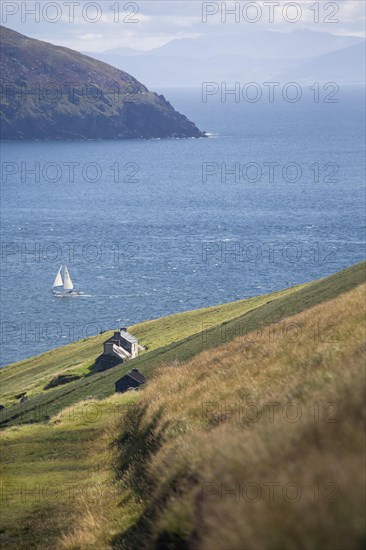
column 106, row 24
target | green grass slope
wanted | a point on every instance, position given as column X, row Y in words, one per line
column 201, row 330
column 46, row 468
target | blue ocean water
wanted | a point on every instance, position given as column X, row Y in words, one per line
column 273, row 198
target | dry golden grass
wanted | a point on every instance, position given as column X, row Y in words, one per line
column 254, row 367
column 182, row 443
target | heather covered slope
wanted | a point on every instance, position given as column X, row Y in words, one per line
column 51, row 92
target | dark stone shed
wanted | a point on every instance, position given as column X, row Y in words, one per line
column 132, row 379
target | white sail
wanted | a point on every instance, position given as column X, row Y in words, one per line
column 68, row 284
column 58, row 279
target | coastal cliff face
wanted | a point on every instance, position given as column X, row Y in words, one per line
column 51, row 92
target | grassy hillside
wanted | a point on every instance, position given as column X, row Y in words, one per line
column 178, row 337
column 248, row 416
column 271, row 400
column 31, row 375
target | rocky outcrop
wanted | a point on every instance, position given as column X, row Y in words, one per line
column 50, row 92
column 60, row 380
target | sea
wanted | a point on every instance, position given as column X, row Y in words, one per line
column 274, row 197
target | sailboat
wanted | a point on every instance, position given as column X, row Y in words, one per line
column 63, row 285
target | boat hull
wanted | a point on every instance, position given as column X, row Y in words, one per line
column 66, row 293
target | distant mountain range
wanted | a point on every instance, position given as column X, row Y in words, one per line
column 50, row 92
column 300, row 55
column 342, row 66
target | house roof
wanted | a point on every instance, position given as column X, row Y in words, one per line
column 123, row 334
column 127, row 336
column 135, row 375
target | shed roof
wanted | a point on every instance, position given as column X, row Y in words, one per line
column 135, row 375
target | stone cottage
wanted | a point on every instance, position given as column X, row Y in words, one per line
column 119, row 348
